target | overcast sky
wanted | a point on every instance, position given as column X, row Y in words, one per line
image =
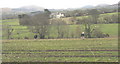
column 54, row 4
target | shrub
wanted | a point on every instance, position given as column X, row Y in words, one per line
column 26, row 38
column 98, row 34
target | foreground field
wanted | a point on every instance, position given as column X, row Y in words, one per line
column 61, row 50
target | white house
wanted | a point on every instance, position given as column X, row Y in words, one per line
column 57, row 15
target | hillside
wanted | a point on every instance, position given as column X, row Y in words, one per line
column 28, row 9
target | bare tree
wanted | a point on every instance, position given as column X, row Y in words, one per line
column 60, row 26
column 78, row 31
column 94, row 14
column 89, row 21
column 7, row 31
column 37, row 21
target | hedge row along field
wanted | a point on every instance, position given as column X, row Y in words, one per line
column 73, row 29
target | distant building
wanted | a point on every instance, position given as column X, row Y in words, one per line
column 57, row 15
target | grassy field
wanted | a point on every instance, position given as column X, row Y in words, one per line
column 81, row 17
column 60, row 50
column 111, row 29
column 10, row 22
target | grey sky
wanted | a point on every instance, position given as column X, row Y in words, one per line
column 56, row 4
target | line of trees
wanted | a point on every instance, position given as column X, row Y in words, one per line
column 42, row 25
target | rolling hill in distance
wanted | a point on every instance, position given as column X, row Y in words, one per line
column 33, row 8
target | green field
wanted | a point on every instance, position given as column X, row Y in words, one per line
column 60, row 50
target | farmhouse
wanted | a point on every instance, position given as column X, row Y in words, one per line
column 57, row 15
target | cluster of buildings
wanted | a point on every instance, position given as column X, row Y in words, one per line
column 57, row 15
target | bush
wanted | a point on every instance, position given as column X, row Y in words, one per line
column 106, row 35
column 26, row 38
column 98, row 34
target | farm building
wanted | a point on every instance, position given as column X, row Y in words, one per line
column 57, row 15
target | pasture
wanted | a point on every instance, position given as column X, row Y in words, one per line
column 60, row 50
